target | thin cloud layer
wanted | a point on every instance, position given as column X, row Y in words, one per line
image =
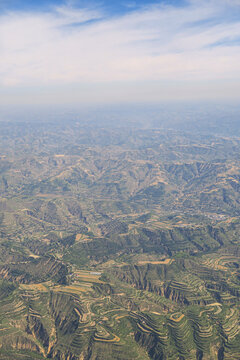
column 194, row 43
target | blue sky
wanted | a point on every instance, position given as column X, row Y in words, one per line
column 82, row 52
column 113, row 6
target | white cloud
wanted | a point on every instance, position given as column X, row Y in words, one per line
column 159, row 43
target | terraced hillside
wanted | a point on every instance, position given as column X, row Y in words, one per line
column 118, row 243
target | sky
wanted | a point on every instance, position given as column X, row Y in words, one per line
column 107, row 51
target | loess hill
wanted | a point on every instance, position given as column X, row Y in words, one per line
column 118, row 243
